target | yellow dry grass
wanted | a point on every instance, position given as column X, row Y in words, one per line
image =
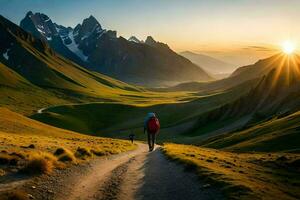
column 32, row 139
column 40, row 164
column 243, row 175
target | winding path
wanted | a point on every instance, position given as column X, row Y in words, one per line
column 138, row 174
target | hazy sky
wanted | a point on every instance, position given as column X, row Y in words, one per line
column 239, row 31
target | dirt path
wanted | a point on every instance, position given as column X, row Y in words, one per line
column 134, row 175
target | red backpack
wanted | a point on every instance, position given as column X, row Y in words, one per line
column 153, row 125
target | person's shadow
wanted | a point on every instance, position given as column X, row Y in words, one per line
column 167, row 180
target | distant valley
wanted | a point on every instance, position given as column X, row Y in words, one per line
column 217, row 68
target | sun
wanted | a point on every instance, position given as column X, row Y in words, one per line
column 288, row 47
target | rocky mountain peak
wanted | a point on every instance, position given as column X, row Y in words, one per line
column 39, row 24
column 29, row 14
column 150, row 41
column 90, row 24
column 134, row 39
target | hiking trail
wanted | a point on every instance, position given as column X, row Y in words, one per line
column 137, row 174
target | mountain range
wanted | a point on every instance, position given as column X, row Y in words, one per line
column 89, row 45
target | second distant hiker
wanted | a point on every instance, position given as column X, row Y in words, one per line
column 131, row 137
column 152, row 127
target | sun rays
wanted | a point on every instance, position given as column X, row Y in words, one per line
column 282, row 70
column 287, row 70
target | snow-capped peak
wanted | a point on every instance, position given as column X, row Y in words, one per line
column 134, row 39
column 74, row 47
column 39, row 24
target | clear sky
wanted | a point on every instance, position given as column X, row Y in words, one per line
column 238, row 31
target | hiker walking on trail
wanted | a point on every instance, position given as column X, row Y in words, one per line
column 131, row 137
column 152, row 127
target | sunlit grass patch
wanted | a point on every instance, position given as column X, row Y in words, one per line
column 66, row 150
column 242, row 175
column 38, row 165
column 37, row 148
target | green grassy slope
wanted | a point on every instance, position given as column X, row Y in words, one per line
column 242, row 176
column 116, row 119
column 10, row 78
column 18, row 94
column 278, row 134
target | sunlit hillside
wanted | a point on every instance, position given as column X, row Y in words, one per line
column 242, row 175
column 23, row 139
column 277, row 134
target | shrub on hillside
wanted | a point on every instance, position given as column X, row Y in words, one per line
column 38, row 166
column 82, row 153
column 31, row 146
column 42, row 163
column 64, row 155
column 59, row 151
column 66, row 158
